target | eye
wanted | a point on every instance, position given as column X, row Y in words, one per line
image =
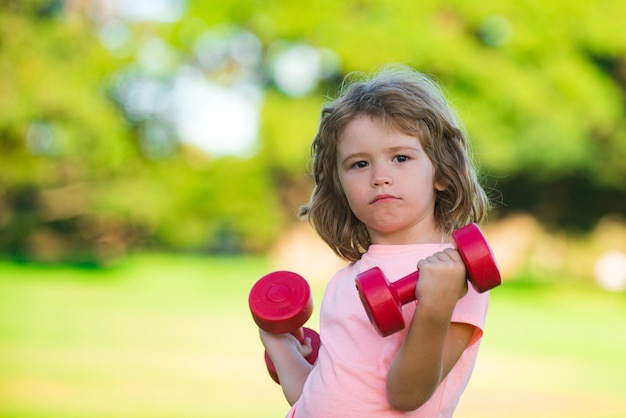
column 401, row 158
column 360, row 164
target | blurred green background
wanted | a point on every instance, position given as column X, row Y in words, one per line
column 153, row 155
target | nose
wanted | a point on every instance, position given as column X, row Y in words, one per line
column 381, row 179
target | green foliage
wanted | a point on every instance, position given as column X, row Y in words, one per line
column 60, row 138
column 75, row 185
column 541, row 88
column 289, row 126
column 538, row 85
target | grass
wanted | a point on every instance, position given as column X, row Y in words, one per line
column 550, row 351
column 164, row 336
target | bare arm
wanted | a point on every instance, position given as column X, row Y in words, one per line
column 433, row 345
column 288, row 356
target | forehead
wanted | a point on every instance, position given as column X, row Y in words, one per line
column 402, row 123
column 365, row 126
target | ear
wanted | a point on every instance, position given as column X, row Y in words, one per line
column 440, row 184
column 440, row 187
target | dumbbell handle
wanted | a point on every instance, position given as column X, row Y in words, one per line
column 405, row 287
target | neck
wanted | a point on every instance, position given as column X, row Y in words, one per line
column 412, row 236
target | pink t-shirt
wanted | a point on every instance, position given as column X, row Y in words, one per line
column 350, row 374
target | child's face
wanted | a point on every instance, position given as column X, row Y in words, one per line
column 389, row 182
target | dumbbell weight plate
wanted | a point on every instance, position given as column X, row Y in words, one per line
column 382, row 306
column 281, row 302
column 478, row 257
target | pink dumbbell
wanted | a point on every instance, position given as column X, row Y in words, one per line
column 281, row 303
column 383, row 300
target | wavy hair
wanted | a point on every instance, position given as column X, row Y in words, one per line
column 408, row 102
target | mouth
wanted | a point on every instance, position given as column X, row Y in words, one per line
column 383, row 198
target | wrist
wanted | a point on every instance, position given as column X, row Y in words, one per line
column 435, row 311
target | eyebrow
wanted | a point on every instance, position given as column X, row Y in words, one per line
column 391, row 150
column 400, row 148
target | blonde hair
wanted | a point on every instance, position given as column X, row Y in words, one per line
column 409, row 102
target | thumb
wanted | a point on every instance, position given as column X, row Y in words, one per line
column 306, row 348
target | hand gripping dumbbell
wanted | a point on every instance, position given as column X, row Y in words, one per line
column 383, row 300
column 281, row 302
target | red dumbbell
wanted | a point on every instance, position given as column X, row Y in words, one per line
column 281, row 303
column 383, row 300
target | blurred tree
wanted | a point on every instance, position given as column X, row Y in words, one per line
column 541, row 87
column 56, row 128
column 97, row 155
column 79, row 179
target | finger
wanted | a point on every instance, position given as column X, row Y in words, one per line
column 453, row 254
column 438, row 257
column 307, row 347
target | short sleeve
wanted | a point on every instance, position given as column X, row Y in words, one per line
column 472, row 309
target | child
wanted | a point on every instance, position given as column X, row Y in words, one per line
column 393, row 179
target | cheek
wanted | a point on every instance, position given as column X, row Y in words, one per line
column 349, row 194
column 345, row 183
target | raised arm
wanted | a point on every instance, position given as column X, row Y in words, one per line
column 433, row 345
